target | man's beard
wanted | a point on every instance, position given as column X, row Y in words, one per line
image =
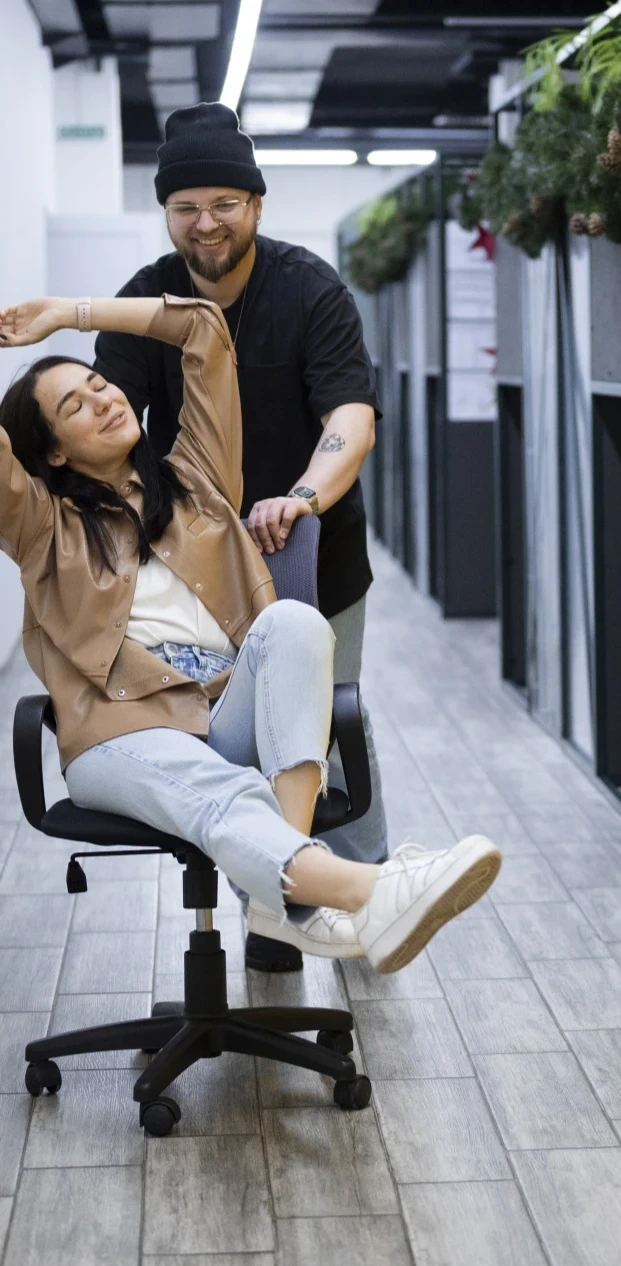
column 214, row 269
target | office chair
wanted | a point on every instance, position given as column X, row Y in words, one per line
column 202, row 1026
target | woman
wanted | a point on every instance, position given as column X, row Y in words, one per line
column 146, row 599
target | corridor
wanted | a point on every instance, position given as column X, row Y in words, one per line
column 493, row 1137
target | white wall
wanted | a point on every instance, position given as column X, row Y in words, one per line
column 89, row 171
column 95, row 255
column 302, row 205
column 26, row 163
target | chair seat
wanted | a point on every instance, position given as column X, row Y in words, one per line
column 65, row 821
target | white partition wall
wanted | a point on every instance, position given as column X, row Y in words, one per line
column 577, row 510
column 27, row 165
column 88, row 139
column 541, row 461
column 418, row 420
column 95, row 255
column 471, row 328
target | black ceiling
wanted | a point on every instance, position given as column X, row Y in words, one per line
column 320, row 69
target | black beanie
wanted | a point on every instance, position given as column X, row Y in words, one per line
column 205, row 146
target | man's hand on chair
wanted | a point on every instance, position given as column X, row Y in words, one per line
column 270, row 521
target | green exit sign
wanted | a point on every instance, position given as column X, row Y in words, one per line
column 77, row 133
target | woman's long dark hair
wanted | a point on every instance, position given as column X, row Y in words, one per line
column 33, row 441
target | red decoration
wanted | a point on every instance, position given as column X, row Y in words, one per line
column 486, row 241
column 491, row 351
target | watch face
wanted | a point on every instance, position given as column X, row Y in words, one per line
column 303, row 491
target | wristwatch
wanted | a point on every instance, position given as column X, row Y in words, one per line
column 307, row 494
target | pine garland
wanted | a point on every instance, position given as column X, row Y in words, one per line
column 566, row 162
column 392, row 230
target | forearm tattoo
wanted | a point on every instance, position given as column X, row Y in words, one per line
column 332, row 443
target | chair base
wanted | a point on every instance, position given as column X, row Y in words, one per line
column 203, row 1027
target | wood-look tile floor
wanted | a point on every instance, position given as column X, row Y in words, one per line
column 493, row 1138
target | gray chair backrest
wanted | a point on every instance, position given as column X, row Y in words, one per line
column 294, row 568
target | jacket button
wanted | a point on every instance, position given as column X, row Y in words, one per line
column 198, row 585
column 121, row 693
column 126, row 578
column 165, row 679
column 166, row 553
column 117, row 624
column 103, row 663
column 227, row 621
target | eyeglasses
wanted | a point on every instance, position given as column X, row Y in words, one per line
column 186, row 214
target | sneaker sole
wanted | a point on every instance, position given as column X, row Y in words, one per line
column 263, row 926
column 472, row 884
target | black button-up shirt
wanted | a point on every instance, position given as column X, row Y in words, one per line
column 300, row 354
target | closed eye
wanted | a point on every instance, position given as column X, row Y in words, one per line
column 79, row 406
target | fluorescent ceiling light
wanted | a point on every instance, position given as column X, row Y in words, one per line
column 401, row 157
column 306, row 157
column 241, row 52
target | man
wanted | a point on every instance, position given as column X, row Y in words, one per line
column 307, row 393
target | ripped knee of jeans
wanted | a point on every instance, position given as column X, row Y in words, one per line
column 323, row 780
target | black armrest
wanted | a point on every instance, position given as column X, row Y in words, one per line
column 348, row 731
column 35, row 711
column 31, row 714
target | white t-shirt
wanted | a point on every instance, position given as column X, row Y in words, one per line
column 166, row 610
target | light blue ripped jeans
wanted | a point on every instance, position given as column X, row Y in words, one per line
column 275, row 713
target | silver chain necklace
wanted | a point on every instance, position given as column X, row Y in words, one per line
column 241, row 313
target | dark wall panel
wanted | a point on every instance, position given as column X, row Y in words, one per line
column 470, row 554
column 607, row 500
column 512, row 570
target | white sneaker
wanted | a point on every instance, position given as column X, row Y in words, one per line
column 416, row 892
column 326, row 933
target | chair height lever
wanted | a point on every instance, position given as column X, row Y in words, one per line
column 76, row 878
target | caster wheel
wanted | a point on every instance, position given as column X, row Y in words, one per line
column 167, row 1008
column 342, row 1042
column 352, row 1094
column 159, row 1116
column 43, row 1076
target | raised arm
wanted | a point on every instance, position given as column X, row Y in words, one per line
column 210, row 419
column 31, row 322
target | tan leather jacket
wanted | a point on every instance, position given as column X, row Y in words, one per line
column 101, row 683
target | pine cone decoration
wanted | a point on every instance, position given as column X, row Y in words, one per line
column 614, row 144
column 578, row 223
column 609, row 163
column 596, row 224
column 511, row 224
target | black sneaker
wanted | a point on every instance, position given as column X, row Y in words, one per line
column 264, row 954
